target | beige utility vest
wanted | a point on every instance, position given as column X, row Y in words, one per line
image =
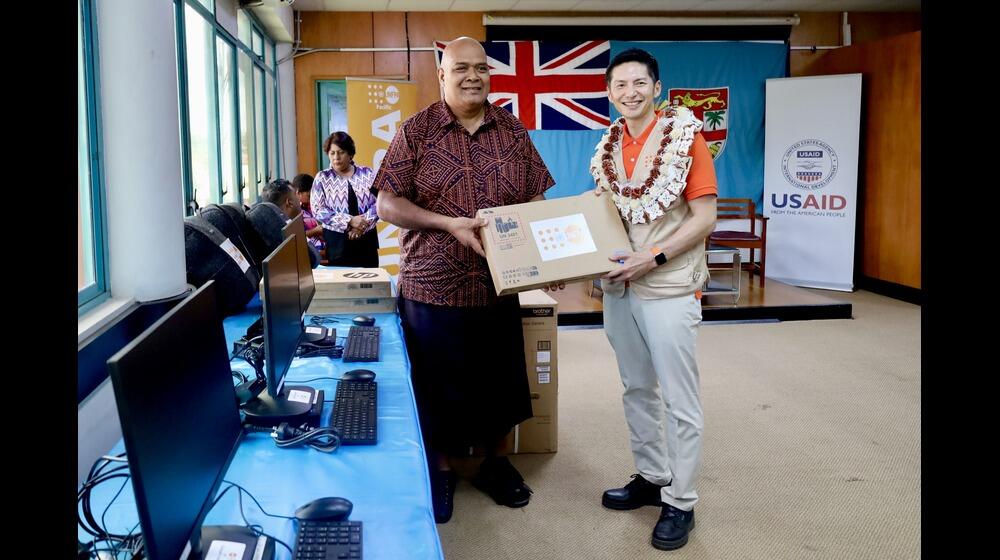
column 682, row 274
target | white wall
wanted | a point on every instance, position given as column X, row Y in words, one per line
column 97, row 428
column 142, row 181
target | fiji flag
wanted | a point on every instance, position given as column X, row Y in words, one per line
column 558, row 92
column 549, row 86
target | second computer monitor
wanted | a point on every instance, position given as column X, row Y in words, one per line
column 307, row 287
column 282, row 313
column 282, row 334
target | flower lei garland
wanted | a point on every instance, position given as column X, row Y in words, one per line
column 667, row 178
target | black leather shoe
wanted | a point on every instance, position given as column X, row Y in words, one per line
column 637, row 493
column 671, row 531
column 501, row 481
column 443, row 494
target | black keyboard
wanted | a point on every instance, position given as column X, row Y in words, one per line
column 354, row 412
column 328, row 540
column 362, row 344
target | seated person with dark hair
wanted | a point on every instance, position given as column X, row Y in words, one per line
column 280, row 193
column 302, row 183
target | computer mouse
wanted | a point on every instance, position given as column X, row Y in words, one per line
column 325, row 509
column 364, row 321
column 359, row 375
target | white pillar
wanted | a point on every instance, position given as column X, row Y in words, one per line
column 286, row 82
column 141, row 136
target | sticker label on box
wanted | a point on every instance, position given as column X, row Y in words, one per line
column 565, row 236
column 519, row 275
column 543, row 357
column 507, row 230
column 235, row 254
column 543, row 377
column 225, row 550
column 541, row 369
column 298, row 396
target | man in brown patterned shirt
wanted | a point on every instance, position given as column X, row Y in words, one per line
column 465, row 344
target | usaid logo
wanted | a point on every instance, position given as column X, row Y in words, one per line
column 360, row 275
column 809, row 164
column 504, row 226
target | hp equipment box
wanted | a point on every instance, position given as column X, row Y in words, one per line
column 352, row 283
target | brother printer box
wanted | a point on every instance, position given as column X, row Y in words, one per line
column 540, row 433
column 535, row 244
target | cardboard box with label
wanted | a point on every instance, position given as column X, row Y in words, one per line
column 352, row 290
column 540, row 433
column 351, row 305
column 535, row 244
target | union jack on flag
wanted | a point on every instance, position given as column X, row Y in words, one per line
column 549, row 86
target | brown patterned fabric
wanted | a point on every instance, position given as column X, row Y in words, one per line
column 435, row 163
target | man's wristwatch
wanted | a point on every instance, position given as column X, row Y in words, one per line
column 659, row 257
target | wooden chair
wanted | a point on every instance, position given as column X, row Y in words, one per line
column 743, row 209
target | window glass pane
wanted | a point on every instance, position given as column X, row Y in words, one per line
column 332, row 102
column 227, row 120
column 201, row 107
column 258, row 44
column 243, row 27
column 272, row 129
column 210, row 4
column 248, row 150
column 85, row 225
column 268, row 53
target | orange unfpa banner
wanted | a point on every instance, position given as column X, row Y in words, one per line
column 388, row 247
column 375, row 109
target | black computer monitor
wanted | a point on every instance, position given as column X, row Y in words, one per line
column 282, row 333
column 307, row 287
column 180, row 423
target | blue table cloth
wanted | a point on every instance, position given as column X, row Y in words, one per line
column 387, row 482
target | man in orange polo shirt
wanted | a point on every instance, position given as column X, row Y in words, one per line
column 659, row 172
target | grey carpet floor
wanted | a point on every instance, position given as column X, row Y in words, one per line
column 812, row 449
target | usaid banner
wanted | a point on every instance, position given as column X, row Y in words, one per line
column 811, row 179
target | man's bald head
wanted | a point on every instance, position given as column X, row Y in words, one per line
column 461, row 48
column 464, row 76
